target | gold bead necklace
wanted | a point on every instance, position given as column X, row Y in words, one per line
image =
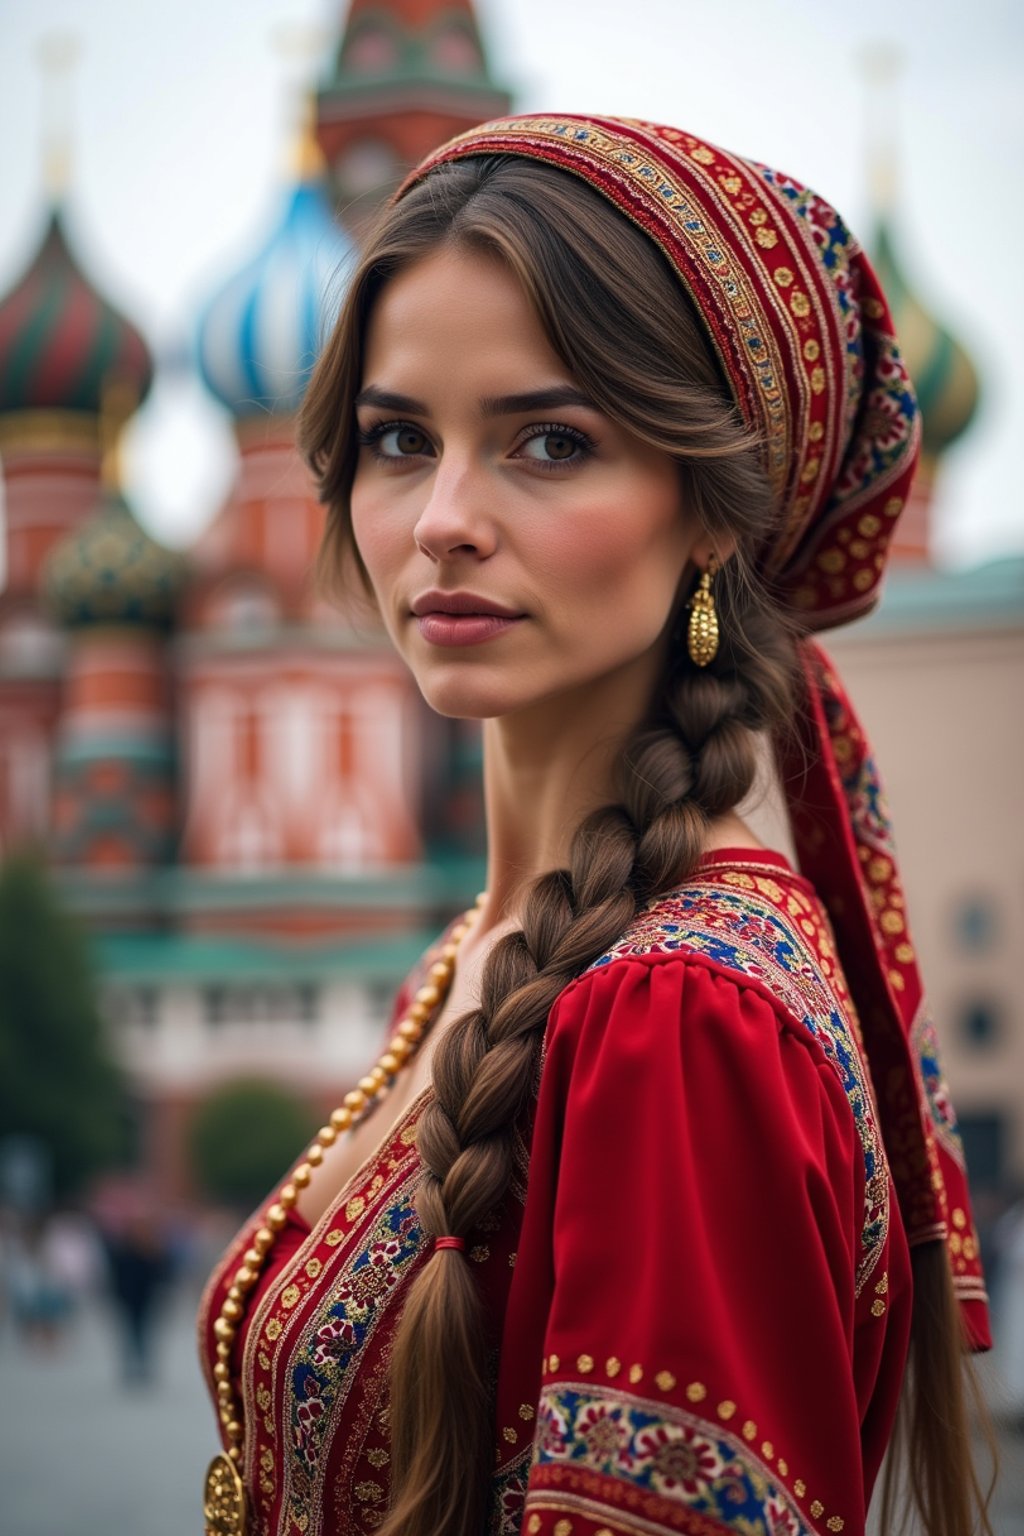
column 224, row 1506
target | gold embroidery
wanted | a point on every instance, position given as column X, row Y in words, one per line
column 959, row 1219
column 533, row 1524
column 290, row 1297
column 369, row 1493
column 510, row 1434
column 334, row 1237
column 783, row 276
column 696, row 1391
column 313, row 1268
column 355, row 1207
column 768, row 1450
column 480, row 1254
column 817, row 1508
column 800, row 304
column 877, row 1308
column 726, row 1410
column 767, row 239
column 893, row 507
column 783, row 1467
column 378, row 1458
column 526, row 1411
column 636, row 1373
column 816, row 432
column 613, row 1366
column 799, row 1487
column 554, row 1363
column 264, row 1360
column 835, row 1522
column 273, row 1329
column 512, row 1261
column 749, row 1430
column 704, row 157
column 817, row 380
column 812, row 351
column 585, row 1363
column 665, row 1380
column 263, row 1398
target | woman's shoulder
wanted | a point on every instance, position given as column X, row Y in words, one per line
column 744, row 909
column 746, row 916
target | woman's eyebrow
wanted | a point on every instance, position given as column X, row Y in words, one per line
column 387, row 400
column 550, row 399
column 536, row 400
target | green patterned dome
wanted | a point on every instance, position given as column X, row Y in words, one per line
column 945, row 379
column 111, row 572
column 61, row 342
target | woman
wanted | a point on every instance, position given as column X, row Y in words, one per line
column 610, row 421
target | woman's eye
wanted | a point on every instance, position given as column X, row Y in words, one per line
column 554, row 445
column 395, row 440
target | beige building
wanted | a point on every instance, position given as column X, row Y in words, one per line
column 937, row 676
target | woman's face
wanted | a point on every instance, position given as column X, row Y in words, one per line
column 521, row 546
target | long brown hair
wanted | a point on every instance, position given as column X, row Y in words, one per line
column 618, row 318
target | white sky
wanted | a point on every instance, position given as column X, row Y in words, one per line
column 181, row 110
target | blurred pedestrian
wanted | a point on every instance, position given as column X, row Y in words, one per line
column 140, row 1268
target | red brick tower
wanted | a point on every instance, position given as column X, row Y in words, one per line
column 408, row 74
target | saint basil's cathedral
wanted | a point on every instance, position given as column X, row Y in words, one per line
column 240, row 792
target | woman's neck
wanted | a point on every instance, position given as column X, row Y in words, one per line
column 545, row 770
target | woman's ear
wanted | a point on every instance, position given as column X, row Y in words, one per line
column 721, row 545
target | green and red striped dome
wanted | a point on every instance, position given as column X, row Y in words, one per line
column 60, row 341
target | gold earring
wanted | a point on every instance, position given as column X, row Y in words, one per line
column 702, row 632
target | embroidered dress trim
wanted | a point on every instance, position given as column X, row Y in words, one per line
column 772, row 931
column 605, row 1450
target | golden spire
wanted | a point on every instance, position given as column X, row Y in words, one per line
column 299, row 46
column 58, row 54
column 883, row 65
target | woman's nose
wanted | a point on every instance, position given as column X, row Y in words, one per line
column 455, row 519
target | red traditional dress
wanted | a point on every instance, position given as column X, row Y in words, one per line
column 698, row 1287
column 698, row 1284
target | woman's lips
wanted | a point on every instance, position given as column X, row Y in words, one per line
column 463, row 628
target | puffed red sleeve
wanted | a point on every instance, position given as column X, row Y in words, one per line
column 721, row 1354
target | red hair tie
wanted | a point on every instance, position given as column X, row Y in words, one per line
column 450, row 1242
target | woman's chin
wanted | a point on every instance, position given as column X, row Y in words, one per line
column 468, row 693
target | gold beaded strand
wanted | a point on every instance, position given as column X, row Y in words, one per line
column 224, row 1495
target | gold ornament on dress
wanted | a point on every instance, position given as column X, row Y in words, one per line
column 702, row 631
column 224, row 1503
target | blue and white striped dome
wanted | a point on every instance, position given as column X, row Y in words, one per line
column 259, row 337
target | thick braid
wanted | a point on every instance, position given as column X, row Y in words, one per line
column 695, row 761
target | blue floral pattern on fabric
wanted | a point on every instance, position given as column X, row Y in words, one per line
column 926, row 1047
column 344, row 1326
column 666, row 1452
column 747, row 923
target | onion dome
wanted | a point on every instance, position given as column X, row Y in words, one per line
column 408, row 74
column 261, row 334
column 110, row 572
column 60, row 340
column 411, row 42
column 944, row 376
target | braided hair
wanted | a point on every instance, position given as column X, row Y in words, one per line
column 603, row 294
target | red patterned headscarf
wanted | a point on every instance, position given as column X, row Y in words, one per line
column 804, row 337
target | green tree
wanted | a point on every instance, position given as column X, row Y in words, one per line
column 58, row 1079
column 244, row 1137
